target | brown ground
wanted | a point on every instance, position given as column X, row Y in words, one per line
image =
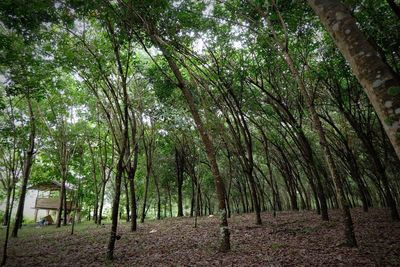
column 292, row 239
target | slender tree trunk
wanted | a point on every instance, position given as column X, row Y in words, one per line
column 103, row 189
column 377, row 78
column 26, row 171
column 158, row 197
column 146, row 189
column 60, row 207
column 65, row 221
column 76, row 204
column 350, row 239
column 179, row 161
column 127, row 199
column 115, row 207
column 347, row 220
column 7, row 210
column 133, row 205
column 256, row 203
column 170, row 201
column 131, row 176
column 309, row 157
column 5, row 246
column 180, row 200
column 206, row 139
column 192, row 200
column 241, row 197
column 96, row 208
column 377, row 166
column 197, row 210
column 96, row 191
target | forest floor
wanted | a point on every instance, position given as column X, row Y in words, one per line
column 290, row 239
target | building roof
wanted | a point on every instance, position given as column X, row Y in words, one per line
column 50, row 186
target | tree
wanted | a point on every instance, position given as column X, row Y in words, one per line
column 379, row 81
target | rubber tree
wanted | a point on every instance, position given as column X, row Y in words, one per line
column 377, row 78
column 28, row 161
column 283, row 50
column 151, row 32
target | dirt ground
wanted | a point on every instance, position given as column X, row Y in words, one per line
column 290, row 239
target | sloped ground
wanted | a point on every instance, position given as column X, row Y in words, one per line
column 291, row 239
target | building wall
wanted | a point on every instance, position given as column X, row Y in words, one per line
column 29, row 211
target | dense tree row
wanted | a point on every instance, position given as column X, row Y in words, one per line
column 190, row 108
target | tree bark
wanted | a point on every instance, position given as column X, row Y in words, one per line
column 158, row 196
column 26, row 171
column 5, row 246
column 115, row 207
column 103, row 189
column 376, row 77
column 7, row 209
column 206, row 139
column 179, row 163
column 60, row 207
column 65, row 213
column 146, row 189
column 350, row 239
column 127, row 206
column 131, row 177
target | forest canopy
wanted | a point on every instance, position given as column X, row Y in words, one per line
column 162, row 108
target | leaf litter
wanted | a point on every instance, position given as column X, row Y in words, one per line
column 290, row 239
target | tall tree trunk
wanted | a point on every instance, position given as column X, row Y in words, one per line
column 5, row 246
column 7, row 209
column 123, row 140
column 146, row 189
column 347, row 220
column 179, row 163
column 256, row 202
column 127, row 208
column 192, row 200
column 131, row 177
column 62, row 193
column 115, row 207
column 65, row 213
column 206, row 139
column 96, row 191
column 241, row 195
column 350, row 239
column 26, row 171
column 377, row 165
column 377, row 78
column 158, row 196
column 170, row 201
column 103, row 189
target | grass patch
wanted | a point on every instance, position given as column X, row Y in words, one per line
column 277, row 246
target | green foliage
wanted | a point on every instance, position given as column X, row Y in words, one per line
column 67, row 57
column 393, row 91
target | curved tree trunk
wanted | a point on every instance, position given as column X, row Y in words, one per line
column 376, row 77
column 350, row 239
column 206, row 139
